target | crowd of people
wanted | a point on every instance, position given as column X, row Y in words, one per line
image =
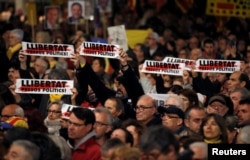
column 114, row 115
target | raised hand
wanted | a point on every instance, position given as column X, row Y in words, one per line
column 73, row 96
column 123, row 57
column 22, row 58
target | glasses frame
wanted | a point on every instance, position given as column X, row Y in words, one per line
column 53, row 111
column 142, row 107
column 75, row 124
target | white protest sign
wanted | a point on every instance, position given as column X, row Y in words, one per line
column 66, row 110
column 38, row 86
column 159, row 67
column 118, row 36
column 188, row 62
column 48, row 50
column 67, row 107
column 100, row 50
column 217, row 66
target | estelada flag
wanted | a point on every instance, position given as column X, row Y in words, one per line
column 184, row 5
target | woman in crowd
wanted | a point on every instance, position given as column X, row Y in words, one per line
column 53, row 120
column 213, row 129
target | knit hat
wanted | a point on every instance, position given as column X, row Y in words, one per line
column 223, row 99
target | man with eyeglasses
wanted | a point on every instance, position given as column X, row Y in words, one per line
column 11, row 110
column 173, row 118
column 146, row 111
column 82, row 135
column 103, row 124
column 220, row 104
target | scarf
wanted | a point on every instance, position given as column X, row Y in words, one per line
column 219, row 141
column 84, row 139
column 55, row 97
column 13, row 49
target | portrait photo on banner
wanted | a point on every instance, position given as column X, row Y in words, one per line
column 52, row 17
column 76, row 12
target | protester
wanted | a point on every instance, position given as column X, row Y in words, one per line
column 82, row 136
column 52, row 121
column 23, row 149
column 15, row 39
column 244, row 112
column 159, row 142
column 10, row 111
column 146, row 111
column 103, row 124
column 213, row 130
column 194, row 116
column 173, row 118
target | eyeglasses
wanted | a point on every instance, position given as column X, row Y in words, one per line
column 168, row 116
column 217, row 106
column 75, row 124
column 101, row 124
column 53, row 111
column 141, row 108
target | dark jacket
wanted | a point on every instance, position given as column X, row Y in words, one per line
column 155, row 121
column 86, row 76
column 205, row 86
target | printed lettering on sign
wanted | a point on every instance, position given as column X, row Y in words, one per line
column 100, row 50
column 163, row 68
column 37, row 86
column 217, row 66
column 48, row 50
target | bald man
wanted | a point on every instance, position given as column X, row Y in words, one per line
column 11, row 110
column 146, row 110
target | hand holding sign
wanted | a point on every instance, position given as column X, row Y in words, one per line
column 233, row 51
column 123, row 57
column 16, row 95
column 78, row 60
column 75, row 60
column 73, row 96
column 12, row 89
column 21, row 56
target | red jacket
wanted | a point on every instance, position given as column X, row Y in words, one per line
column 89, row 150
